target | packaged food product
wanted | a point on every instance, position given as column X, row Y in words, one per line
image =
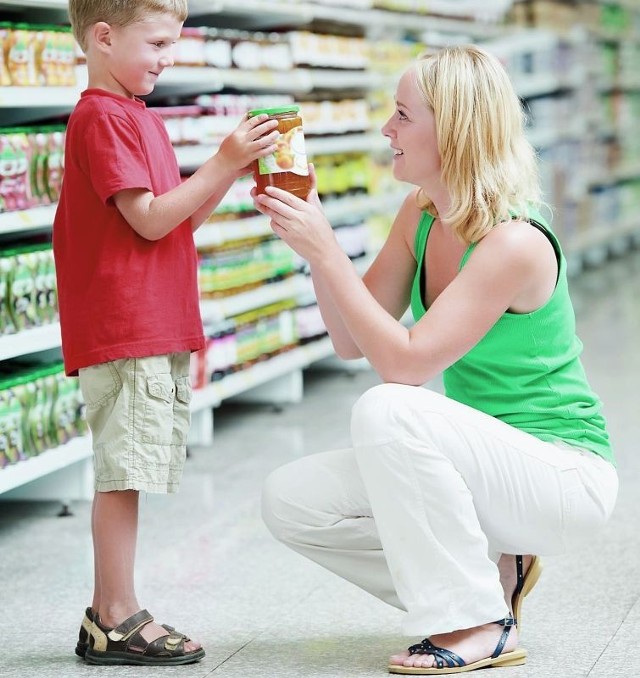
column 287, row 168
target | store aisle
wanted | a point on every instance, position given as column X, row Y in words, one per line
column 208, row 565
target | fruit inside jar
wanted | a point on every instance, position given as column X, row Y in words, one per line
column 287, row 167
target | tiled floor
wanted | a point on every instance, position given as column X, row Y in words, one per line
column 208, row 565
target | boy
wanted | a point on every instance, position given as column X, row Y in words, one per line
column 127, row 282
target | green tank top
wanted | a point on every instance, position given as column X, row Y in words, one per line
column 526, row 371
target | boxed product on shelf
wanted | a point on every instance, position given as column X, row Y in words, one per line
column 237, row 343
column 31, row 166
column 36, row 56
column 40, row 409
column 240, row 266
column 27, row 288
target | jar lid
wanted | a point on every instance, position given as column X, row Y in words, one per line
column 274, row 111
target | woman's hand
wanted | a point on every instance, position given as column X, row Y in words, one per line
column 300, row 223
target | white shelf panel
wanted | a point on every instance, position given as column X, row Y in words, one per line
column 544, row 83
column 45, row 97
column 346, row 143
column 260, row 373
column 203, row 79
column 343, row 209
column 34, row 219
column 45, row 463
column 298, row 80
column 583, row 242
column 546, row 137
column 61, row 5
column 191, row 157
column 214, row 310
column 30, row 341
column 218, row 232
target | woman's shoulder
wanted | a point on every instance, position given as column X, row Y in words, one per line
column 518, row 245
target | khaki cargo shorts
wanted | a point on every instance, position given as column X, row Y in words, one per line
column 138, row 414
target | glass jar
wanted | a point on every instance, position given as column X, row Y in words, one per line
column 287, row 167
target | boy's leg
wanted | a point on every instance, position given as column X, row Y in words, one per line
column 116, row 394
column 115, row 531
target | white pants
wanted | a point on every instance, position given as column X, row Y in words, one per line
column 432, row 492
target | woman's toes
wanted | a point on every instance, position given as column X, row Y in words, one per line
column 399, row 658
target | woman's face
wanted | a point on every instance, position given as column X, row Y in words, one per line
column 412, row 132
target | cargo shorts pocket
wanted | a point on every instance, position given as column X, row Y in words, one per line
column 157, row 426
column 99, row 384
column 181, row 411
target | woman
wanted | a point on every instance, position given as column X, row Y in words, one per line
column 438, row 493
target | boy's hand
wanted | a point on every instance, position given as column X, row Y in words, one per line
column 253, row 138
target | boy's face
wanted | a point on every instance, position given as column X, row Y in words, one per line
column 141, row 51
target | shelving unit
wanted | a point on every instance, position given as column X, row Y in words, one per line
column 65, row 472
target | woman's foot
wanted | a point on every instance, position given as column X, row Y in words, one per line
column 471, row 645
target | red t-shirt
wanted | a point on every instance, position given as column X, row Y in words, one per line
column 120, row 295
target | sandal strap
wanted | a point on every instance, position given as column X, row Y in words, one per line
column 440, row 654
column 165, row 646
column 130, row 626
column 508, row 622
column 519, row 574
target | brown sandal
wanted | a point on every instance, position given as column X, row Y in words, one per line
column 125, row 645
column 85, row 631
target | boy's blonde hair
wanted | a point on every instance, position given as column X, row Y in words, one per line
column 86, row 13
column 487, row 164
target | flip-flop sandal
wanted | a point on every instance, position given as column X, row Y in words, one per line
column 85, row 631
column 449, row 662
column 524, row 584
column 125, row 645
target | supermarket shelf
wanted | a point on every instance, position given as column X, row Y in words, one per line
column 34, row 219
column 30, row 341
column 61, row 5
column 586, row 243
column 625, row 172
column 49, row 461
column 546, row 137
column 261, row 373
column 343, row 209
column 337, row 210
column 268, row 12
column 297, row 80
column 214, row 310
column 191, row 157
column 216, row 233
column 278, row 12
column 533, row 85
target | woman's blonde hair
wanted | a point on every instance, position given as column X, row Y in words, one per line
column 86, row 13
column 487, row 165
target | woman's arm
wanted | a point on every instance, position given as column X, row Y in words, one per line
column 503, row 269
column 388, row 279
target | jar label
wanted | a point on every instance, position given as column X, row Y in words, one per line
column 290, row 155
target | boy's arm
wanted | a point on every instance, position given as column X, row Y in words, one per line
column 153, row 217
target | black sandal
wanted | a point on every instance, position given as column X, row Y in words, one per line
column 450, row 662
column 85, row 632
column 125, row 645
column 524, row 584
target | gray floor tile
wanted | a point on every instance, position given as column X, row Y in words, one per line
column 208, row 565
